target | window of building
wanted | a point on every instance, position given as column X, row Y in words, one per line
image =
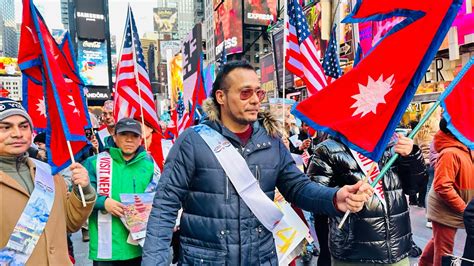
column 256, row 47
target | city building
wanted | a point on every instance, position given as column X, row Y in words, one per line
column 8, row 30
column 208, row 32
column 13, row 85
column 65, row 13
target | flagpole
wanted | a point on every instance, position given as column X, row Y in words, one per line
column 396, row 155
column 285, row 20
column 81, row 193
column 136, row 75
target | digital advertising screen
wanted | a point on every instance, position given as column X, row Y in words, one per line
column 165, row 19
column 92, row 63
column 228, row 27
column 90, row 19
column 260, row 12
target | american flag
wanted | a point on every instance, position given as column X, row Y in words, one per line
column 331, row 66
column 301, row 55
column 183, row 115
column 132, row 79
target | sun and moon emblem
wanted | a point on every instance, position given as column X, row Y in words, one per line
column 371, row 95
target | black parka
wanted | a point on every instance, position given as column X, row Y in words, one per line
column 373, row 235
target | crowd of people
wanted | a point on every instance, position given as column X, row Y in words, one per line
column 222, row 177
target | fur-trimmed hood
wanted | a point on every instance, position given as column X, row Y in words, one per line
column 265, row 118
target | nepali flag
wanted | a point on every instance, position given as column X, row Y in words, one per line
column 458, row 104
column 363, row 107
column 42, row 61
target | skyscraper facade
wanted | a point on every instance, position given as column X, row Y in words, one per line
column 8, row 31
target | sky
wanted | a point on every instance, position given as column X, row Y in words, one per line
column 142, row 10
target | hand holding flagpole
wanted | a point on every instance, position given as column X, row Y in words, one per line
column 83, row 200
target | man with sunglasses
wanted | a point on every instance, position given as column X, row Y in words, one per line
column 223, row 174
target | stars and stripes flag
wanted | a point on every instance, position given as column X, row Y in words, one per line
column 132, row 88
column 331, row 65
column 41, row 61
column 301, row 55
column 183, row 118
column 457, row 102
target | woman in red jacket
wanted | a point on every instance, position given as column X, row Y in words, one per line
column 452, row 189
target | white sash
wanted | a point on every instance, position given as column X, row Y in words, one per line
column 32, row 221
column 241, row 177
column 287, row 232
column 104, row 220
column 371, row 171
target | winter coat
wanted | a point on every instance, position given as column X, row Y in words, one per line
column 375, row 234
column 67, row 215
column 453, row 184
column 127, row 177
column 217, row 227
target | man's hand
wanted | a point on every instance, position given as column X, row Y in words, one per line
column 305, row 144
column 80, row 176
column 114, row 207
column 353, row 197
column 404, row 145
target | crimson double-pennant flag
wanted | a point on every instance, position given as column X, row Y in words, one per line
column 42, row 61
column 363, row 107
column 458, row 104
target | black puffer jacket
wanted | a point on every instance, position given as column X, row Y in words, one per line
column 371, row 235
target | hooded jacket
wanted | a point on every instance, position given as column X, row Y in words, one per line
column 375, row 234
column 453, row 184
column 217, row 227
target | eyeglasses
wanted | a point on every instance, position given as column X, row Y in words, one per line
column 245, row 94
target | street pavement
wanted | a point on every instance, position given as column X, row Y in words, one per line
column 421, row 236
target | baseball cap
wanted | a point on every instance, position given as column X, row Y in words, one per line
column 128, row 125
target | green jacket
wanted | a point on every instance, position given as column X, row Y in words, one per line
column 127, row 177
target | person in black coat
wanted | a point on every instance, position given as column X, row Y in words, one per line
column 380, row 233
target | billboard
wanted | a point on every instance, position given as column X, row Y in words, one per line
column 228, row 27
column 92, row 63
column 346, row 33
column 174, row 46
column 165, row 19
column 278, row 39
column 191, row 49
column 90, row 19
column 313, row 17
column 260, row 12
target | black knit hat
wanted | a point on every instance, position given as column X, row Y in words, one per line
column 9, row 107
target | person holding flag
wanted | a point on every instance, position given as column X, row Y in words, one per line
column 221, row 174
column 124, row 167
column 31, row 198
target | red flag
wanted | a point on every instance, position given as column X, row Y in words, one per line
column 458, row 102
column 364, row 106
column 34, row 103
column 199, row 94
column 40, row 59
column 156, row 149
